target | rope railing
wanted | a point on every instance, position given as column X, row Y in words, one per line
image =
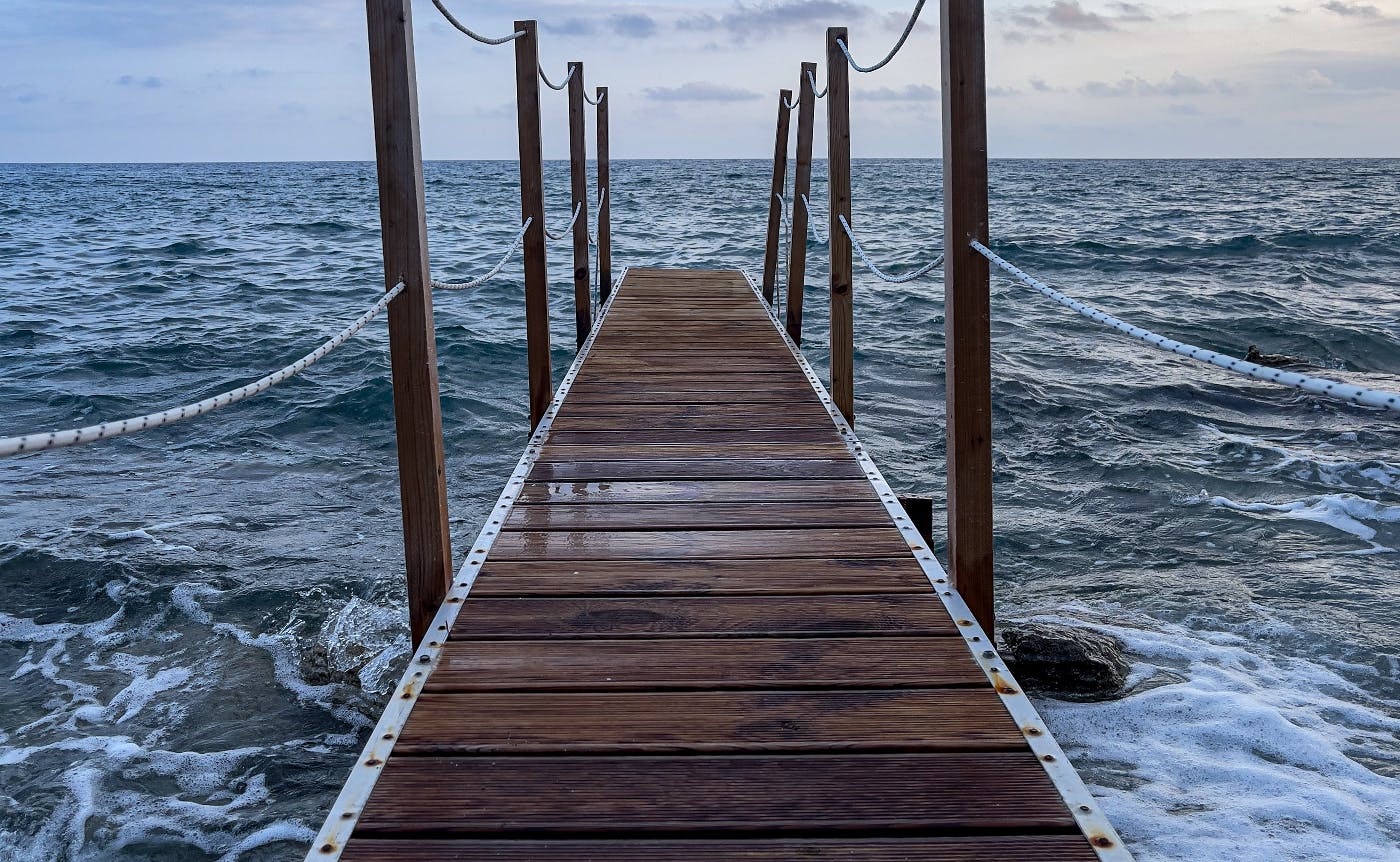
column 602, row 196
column 881, row 274
column 59, row 439
column 903, row 37
column 1307, row 383
column 485, row 40
column 562, row 84
column 578, row 208
column 811, row 222
column 791, row 104
column 812, row 81
column 597, row 101
column 494, row 271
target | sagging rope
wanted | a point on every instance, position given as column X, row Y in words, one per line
column 1315, row 385
column 494, row 271
column 59, row 439
column 812, row 80
column 884, row 276
column 485, row 40
column 597, row 101
column 562, row 84
column 908, row 28
column 811, row 222
column 578, row 208
column 791, row 104
column 602, row 196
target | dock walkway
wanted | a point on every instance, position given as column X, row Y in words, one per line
column 700, row 627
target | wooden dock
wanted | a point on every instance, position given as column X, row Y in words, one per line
column 698, row 626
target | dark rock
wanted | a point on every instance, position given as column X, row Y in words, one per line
column 1065, row 660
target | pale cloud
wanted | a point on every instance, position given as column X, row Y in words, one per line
column 907, row 93
column 701, row 91
column 1174, row 86
column 1353, row 10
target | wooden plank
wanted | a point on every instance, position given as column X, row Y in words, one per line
column 665, row 451
column 699, row 544
column 643, row 436
column 727, row 616
column 811, row 414
column 527, row 100
column 740, row 421
column 412, row 346
column 679, row 722
column 967, row 309
column 697, row 468
column 714, row 794
column 710, row 663
column 805, row 576
column 838, row 161
column 997, row 848
column 696, row 516
column 698, row 491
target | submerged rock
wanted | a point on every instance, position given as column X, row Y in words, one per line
column 1065, row 660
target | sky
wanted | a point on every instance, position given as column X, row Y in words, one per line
column 274, row 80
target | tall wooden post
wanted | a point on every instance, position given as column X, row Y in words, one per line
column 801, row 187
column 412, row 351
column 967, row 308
column 527, row 103
column 578, row 182
column 838, row 153
column 605, row 206
column 775, row 213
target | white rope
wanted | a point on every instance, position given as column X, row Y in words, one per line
column 602, row 196
column 597, row 101
column 786, row 218
column 812, row 79
column 59, row 439
column 908, row 28
column 578, row 208
column 562, row 84
column 793, row 103
column 1315, row 385
column 494, row 271
column 811, row 222
column 884, row 276
column 485, row 40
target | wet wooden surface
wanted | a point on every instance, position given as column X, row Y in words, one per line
column 700, row 635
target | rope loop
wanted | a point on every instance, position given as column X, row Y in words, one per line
column 812, row 81
column 597, row 101
column 602, row 196
column 908, row 28
column 578, row 208
column 1316, row 385
column 494, row 271
column 562, row 84
column 880, row 274
column 811, row 222
column 485, row 40
column 74, row 436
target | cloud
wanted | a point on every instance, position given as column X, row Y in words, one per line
column 1353, row 10
column 568, row 27
column 149, row 82
column 633, row 26
column 700, row 91
column 1177, row 85
column 908, row 93
column 1061, row 19
column 760, row 20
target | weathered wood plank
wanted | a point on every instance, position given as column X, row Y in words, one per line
column 713, row 451
column 710, row 663
column 699, row 544
column 696, row 516
column 663, row 435
column 695, row 468
column 965, row 719
column 729, row 616
column 700, row 577
column 635, row 795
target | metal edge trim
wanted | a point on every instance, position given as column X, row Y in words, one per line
column 1088, row 814
column 340, row 822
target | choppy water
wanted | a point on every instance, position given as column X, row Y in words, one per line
column 170, row 602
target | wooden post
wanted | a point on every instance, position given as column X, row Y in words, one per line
column 775, row 213
column 838, row 154
column 967, row 308
column 578, row 181
column 605, row 207
column 527, row 103
column 412, row 351
column 801, row 186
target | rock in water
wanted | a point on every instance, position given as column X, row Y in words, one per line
column 1069, row 660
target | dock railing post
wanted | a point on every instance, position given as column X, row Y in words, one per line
column 605, row 205
column 412, row 350
column 801, row 187
column 967, row 308
column 779, row 185
column 578, row 182
column 838, row 150
column 527, row 102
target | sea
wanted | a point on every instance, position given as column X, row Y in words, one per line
column 199, row 624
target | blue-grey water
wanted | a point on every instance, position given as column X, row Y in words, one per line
column 198, row 624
